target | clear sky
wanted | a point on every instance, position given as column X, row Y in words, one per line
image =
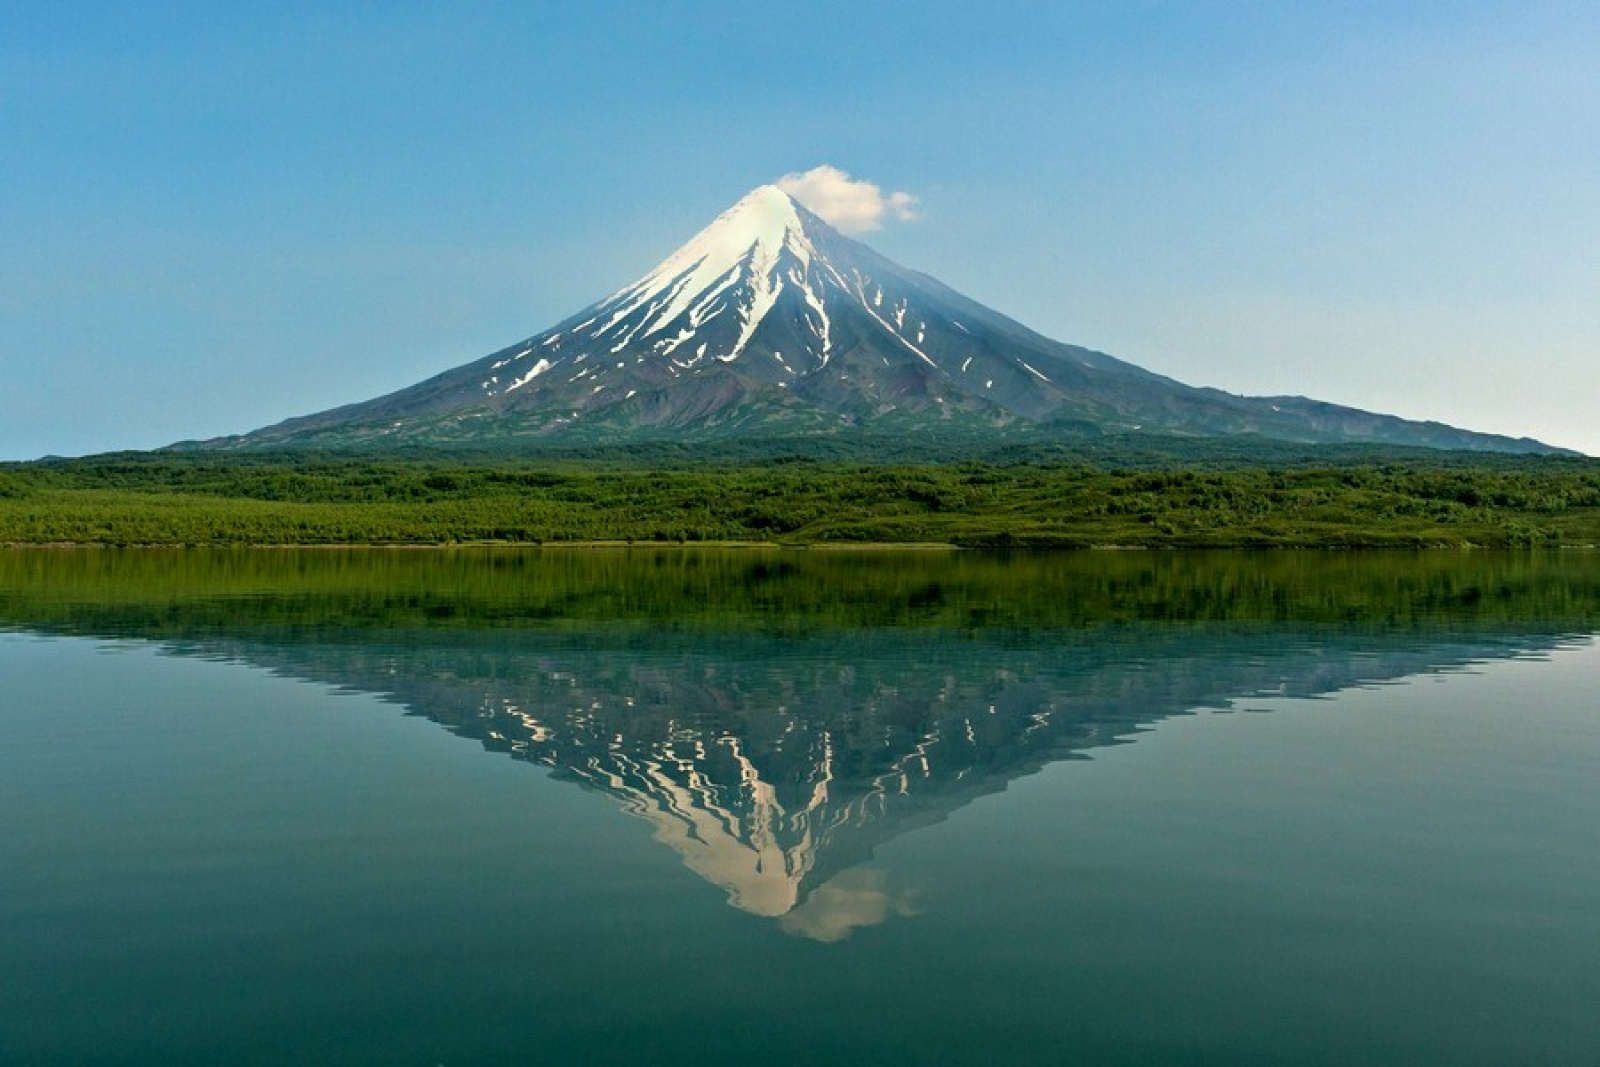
column 217, row 215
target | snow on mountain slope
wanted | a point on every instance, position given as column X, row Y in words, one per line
column 769, row 297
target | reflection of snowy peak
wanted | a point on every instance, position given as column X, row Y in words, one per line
column 770, row 321
column 767, row 784
column 774, row 767
column 731, row 829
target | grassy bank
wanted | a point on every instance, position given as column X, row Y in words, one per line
column 217, row 500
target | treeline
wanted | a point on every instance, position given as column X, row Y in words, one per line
column 231, row 499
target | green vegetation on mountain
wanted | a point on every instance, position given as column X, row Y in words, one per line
column 1329, row 498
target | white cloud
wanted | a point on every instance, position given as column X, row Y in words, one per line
column 849, row 204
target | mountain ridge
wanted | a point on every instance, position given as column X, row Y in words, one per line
column 769, row 322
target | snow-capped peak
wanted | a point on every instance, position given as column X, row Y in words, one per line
column 765, row 264
column 755, row 231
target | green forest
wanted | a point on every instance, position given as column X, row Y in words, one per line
column 1327, row 498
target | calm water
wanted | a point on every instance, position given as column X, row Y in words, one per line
column 674, row 807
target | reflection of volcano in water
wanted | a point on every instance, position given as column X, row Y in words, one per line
column 773, row 765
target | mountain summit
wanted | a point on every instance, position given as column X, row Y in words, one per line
column 770, row 322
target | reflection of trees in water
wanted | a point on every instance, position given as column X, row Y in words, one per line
column 770, row 591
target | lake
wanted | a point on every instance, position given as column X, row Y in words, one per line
column 750, row 806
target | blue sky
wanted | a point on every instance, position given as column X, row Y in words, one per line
column 215, row 216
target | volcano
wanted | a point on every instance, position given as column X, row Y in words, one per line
column 771, row 323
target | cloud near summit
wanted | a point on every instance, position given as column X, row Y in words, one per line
column 850, row 205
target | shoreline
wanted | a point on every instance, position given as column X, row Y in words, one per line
column 777, row 546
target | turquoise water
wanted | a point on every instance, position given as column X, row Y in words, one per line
column 236, row 832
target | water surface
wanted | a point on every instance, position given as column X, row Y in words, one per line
column 672, row 806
